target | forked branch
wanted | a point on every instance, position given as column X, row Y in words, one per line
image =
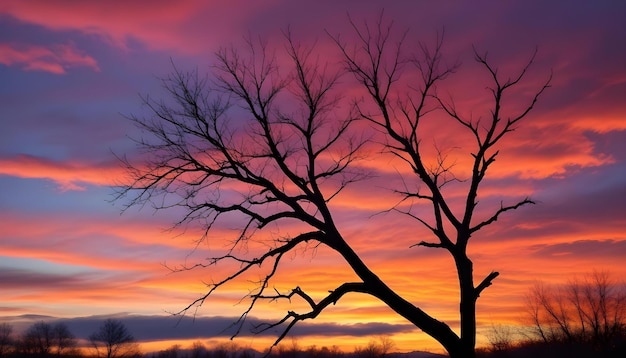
column 291, row 318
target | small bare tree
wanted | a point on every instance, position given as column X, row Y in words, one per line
column 386, row 344
column 113, row 339
column 375, row 348
column 198, row 350
column 265, row 145
column 589, row 311
column 63, row 340
column 501, row 338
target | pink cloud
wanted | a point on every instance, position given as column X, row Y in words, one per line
column 156, row 24
column 56, row 59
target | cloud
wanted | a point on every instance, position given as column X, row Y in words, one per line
column 17, row 278
column 68, row 175
column 153, row 328
column 160, row 25
column 590, row 248
column 56, row 59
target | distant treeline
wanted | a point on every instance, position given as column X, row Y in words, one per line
column 44, row 339
column 379, row 347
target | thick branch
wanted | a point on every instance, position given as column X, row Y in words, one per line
column 486, row 282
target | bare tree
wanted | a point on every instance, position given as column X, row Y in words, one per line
column 386, row 345
column 112, row 339
column 589, row 311
column 501, row 338
column 198, row 350
column 6, row 339
column 376, row 348
column 38, row 339
column 62, row 339
column 44, row 339
column 378, row 63
column 266, row 145
column 225, row 350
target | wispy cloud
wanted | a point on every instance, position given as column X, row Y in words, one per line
column 162, row 26
column 607, row 249
column 68, row 175
column 56, row 59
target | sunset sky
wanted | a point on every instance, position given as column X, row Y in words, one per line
column 72, row 71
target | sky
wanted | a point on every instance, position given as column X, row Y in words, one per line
column 71, row 72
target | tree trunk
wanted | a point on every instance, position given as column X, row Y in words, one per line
column 467, row 307
column 440, row 331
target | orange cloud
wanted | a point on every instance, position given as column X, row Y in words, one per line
column 68, row 175
column 56, row 59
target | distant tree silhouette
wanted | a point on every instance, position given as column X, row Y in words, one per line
column 37, row 340
column 376, row 348
column 501, row 338
column 266, row 145
column 173, row 351
column 44, row 339
column 6, row 339
column 112, row 339
column 289, row 350
column 589, row 311
column 198, row 349
column 63, row 340
column 324, row 352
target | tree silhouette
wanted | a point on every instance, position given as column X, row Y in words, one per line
column 589, row 311
column 112, row 339
column 43, row 339
column 377, row 64
column 6, row 339
column 265, row 145
column 62, row 339
column 37, row 340
column 375, row 348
